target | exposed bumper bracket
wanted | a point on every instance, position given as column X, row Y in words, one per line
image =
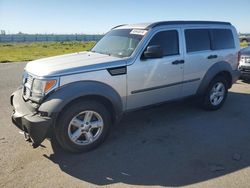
column 35, row 127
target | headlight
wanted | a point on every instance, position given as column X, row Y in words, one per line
column 247, row 59
column 43, row 86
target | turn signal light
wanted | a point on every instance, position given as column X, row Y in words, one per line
column 49, row 84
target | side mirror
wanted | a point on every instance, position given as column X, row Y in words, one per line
column 154, row 51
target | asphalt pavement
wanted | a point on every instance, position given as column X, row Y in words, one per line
column 173, row 145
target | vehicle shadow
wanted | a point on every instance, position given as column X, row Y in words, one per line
column 247, row 81
column 176, row 144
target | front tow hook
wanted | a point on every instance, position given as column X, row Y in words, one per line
column 29, row 139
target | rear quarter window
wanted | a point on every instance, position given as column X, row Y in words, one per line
column 197, row 40
column 222, row 39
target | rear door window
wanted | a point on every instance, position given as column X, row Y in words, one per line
column 222, row 39
column 197, row 40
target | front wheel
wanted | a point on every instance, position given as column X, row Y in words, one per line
column 216, row 94
column 83, row 126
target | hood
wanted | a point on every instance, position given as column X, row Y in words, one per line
column 245, row 51
column 72, row 63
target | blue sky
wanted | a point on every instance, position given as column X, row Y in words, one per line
column 98, row 16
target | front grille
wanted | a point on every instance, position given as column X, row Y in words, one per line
column 246, row 59
column 245, row 67
column 246, row 70
column 30, row 80
column 27, row 87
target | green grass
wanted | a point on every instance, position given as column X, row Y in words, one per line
column 244, row 44
column 14, row 52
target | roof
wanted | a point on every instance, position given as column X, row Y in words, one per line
column 162, row 23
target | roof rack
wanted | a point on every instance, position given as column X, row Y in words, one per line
column 118, row 26
column 185, row 22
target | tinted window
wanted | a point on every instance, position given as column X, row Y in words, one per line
column 222, row 39
column 168, row 40
column 197, row 40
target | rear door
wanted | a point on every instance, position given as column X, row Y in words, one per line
column 198, row 58
column 203, row 48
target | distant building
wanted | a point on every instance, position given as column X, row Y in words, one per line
column 3, row 32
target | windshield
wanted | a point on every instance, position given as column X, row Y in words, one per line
column 119, row 42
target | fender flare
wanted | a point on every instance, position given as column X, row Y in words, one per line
column 214, row 70
column 57, row 100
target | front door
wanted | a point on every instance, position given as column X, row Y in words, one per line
column 156, row 80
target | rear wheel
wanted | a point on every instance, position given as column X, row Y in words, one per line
column 216, row 94
column 83, row 126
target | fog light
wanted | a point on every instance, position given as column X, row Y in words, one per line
column 43, row 114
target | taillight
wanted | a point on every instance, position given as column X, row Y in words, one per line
column 239, row 57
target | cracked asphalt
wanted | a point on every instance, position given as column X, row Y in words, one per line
column 171, row 145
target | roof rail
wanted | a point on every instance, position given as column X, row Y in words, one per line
column 118, row 26
column 185, row 22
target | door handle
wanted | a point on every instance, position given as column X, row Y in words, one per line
column 212, row 57
column 176, row 62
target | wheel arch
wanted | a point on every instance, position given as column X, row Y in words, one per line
column 83, row 90
column 104, row 101
column 218, row 69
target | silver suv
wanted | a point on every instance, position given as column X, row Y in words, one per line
column 78, row 97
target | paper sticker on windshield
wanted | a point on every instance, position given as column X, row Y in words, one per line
column 138, row 32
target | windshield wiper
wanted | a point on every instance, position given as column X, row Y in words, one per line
column 105, row 53
column 109, row 54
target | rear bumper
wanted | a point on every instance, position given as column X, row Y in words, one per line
column 235, row 75
column 25, row 117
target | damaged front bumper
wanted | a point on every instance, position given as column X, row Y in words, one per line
column 26, row 118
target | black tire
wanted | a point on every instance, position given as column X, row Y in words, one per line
column 207, row 104
column 63, row 123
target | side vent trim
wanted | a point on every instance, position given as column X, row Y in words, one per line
column 117, row 71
